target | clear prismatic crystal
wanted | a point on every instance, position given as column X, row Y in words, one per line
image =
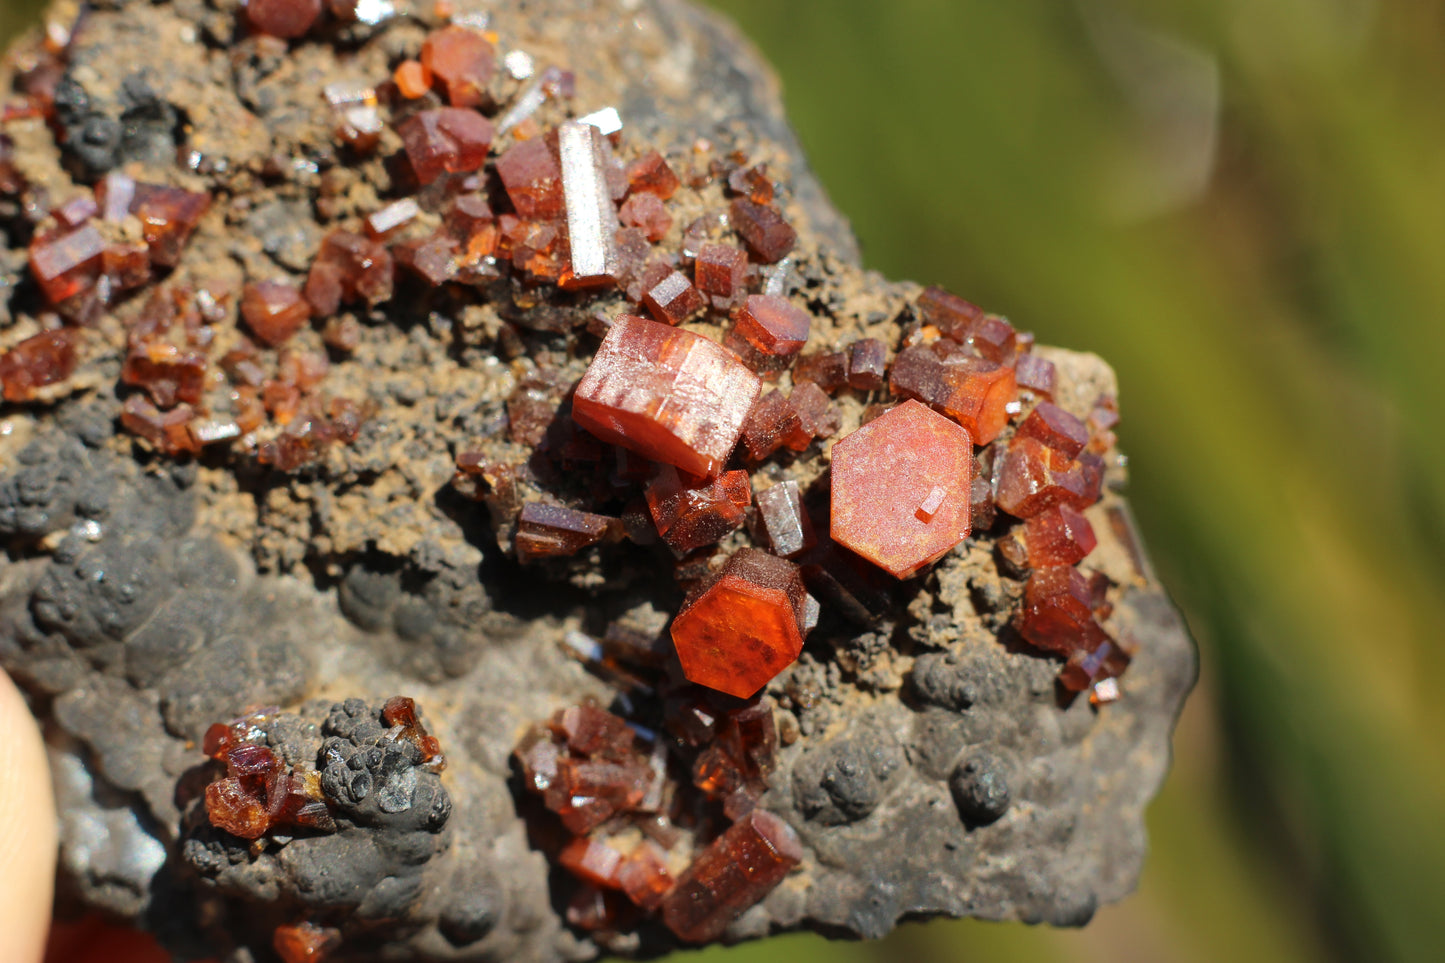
column 901, row 487
column 667, row 394
column 591, row 216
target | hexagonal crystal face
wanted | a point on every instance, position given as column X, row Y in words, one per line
column 901, row 488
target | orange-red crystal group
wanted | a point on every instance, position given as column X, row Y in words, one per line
column 610, row 784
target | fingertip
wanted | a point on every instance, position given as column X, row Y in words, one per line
column 27, row 831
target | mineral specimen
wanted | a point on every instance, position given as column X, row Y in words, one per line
column 230, row 493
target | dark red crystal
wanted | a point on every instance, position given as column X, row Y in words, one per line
column 733, row 873
column 42, row 359
column 551, row 531
column 532, row 175
column 447, row 140
column 692, row 512
column 287, row 19
column 767, row 233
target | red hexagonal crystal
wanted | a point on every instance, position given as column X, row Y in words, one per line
column 349, row 267
column 745, row 626
column 42, row 359
column 463, row 61
column 901, row 488
column 643, row 875
column 773, row 325
column 274, row 310
column 736, row 870
column 448, row 140
column 667, row 394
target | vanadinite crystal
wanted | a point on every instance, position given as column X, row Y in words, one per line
column 591, row 216
column 692, row 512
column 773, row 325
column 287, row 19
column 447, row 140
column 901, row 488
column 745, row 626
column 274, row 310
column 463, row 61
column 551, row 531
column 767, row 233
column 737, row 870
column 1058, row 612
column 532, row 175
column 1059, row 536
column 66, row 264
column 667, row 394
column 305, row 942
column 973, row 391
column 43, row 359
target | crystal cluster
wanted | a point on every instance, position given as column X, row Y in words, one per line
column 259, row 793
column 628, row 797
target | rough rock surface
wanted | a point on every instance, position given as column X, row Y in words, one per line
column 928, row 764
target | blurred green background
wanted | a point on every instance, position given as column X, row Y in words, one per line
column 1240, row 204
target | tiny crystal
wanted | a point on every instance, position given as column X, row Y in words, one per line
column 673, row 299
column 949, row 313
column 274, row 310
column 646, row 211
column 768, row 235
column 1055, row 428
column 551, row 531
column 885, row 477
column 788, row 528
column 68, row 264
column 1035, row 374
column 168, row 215
column 607, row 120
column 463, row 61
column 720, row 271
column 1058, row 536
column 1032, row 478
column 773, row 325
column 651, row 174
column 1058, row 612
column 666, row 393
column 867, row 364
column 305, row 942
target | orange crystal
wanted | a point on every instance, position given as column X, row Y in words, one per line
column 745, row 627
column 305, row 942
column 666, row 393
column 39, row 360
column 901, row 488
column 463, row 61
